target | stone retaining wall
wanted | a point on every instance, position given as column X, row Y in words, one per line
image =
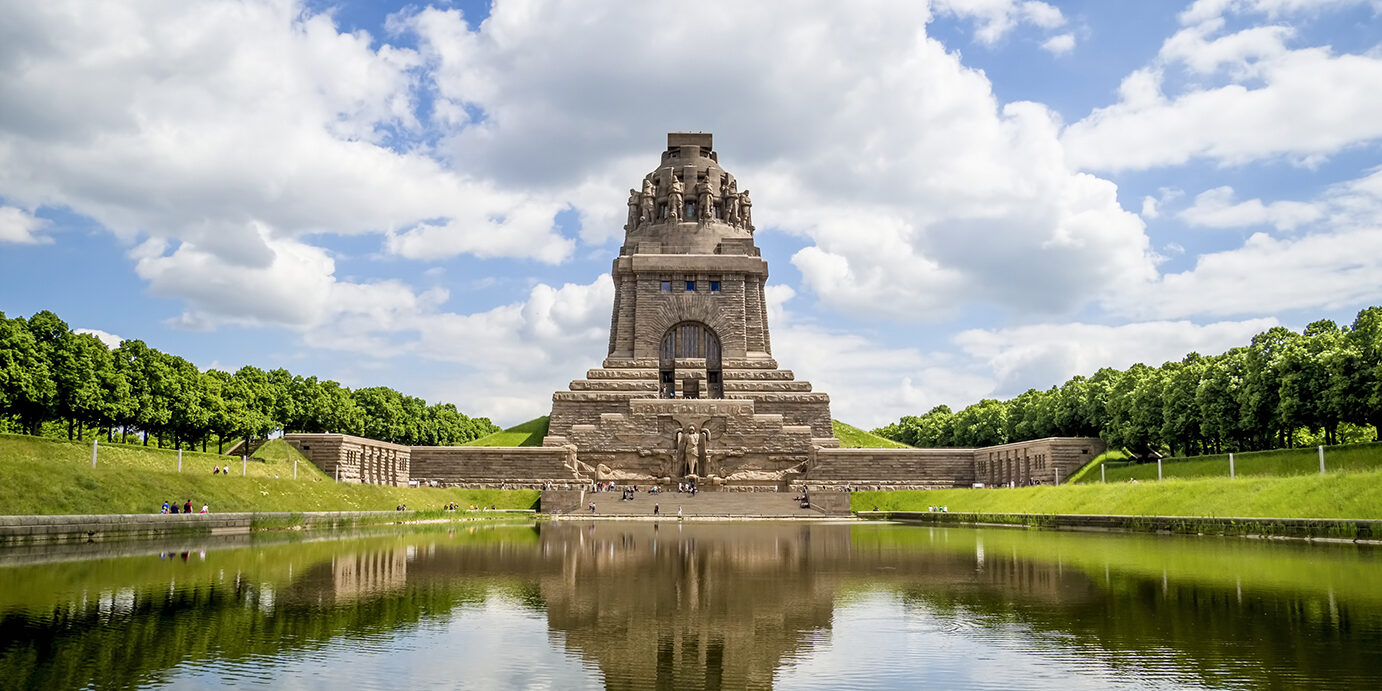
column 1325, row 528
column 95, row 527
column 890, row 468
column 514, row 467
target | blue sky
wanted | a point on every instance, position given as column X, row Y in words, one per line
column 957, row 199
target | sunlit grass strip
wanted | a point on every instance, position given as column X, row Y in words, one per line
column 854, row 438
column 1337, row 495
column 1280, row 462
column 529, row 433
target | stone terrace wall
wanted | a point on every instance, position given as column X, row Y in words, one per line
column 354, row 459
column 890, row 468
column 1042, row 461
column 514, row 467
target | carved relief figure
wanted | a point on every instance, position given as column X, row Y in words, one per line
column 645, row 202
column 635, row 200
column 729, row 192
column 675, row 200
column 746, row 211
column 689, row 449
column 705, row 202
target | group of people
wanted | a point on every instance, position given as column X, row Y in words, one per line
column 218, row 470
column 687, row 487
column 172, row 507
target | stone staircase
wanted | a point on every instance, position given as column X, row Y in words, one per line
column 705, row 504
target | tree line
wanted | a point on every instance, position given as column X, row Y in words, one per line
column 48, row 375
column 1323, row 385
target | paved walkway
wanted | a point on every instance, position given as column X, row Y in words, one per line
column 773, row 504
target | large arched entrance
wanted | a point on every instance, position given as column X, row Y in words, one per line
column 690, row 341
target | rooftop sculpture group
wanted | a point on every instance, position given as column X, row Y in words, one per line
column 653, row 205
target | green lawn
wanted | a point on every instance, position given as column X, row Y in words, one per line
column 854, row 438
column 529, row 433
column 46, row 476
column 1337, row 495
column 1280, row 463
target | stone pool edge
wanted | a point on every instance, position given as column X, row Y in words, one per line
column 1340, row 529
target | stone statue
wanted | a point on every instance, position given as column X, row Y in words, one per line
column 689, row 448
column 635, row 199
column 705, row 202
column 675, row 201
column 729, row 192
column 746, row 211
column 645, row 202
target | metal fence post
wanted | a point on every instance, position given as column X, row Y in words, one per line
column 179, row 460
column 244, row 465
column 1158, row 469
column 1102, row 477
column 93, row 453
column 1321, row 459
column 1230, row 465
column 295, row 468
column 1058, row 475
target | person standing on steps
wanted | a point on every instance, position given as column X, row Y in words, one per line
column 656, row 508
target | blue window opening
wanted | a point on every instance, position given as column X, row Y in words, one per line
column 690, row 286
column 714, row 286
column 666, row 286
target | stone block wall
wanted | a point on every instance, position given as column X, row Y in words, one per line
column 354, row 459
column 514, row 467
column 890, row 469
column 1040, row 461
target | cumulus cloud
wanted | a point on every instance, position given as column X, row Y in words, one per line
column 22, row 228
column 109, row 339
column 1303, row 103
column 1044, row 355
column 994, row 19
column 1216, row 209
column 1059, row 45
column 194, row 121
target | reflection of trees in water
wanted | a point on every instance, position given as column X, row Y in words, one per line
column 692, row 604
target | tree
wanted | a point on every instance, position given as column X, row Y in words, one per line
column 26, row 383
column 981, row 424
column 1180, row 414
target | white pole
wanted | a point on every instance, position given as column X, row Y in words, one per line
column 179, row 460
column 1102, row 477
column 295, row 468
column 1058, row 475
column 93, row 453
column 244, row 465
column 1158, row 469
column 1230, row 465
column 1321, row 459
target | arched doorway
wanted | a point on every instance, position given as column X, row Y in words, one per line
column 684, row 341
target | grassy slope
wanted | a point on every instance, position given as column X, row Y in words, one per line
column 854, row 438
column 1339, row 495
column 529, row 433
column 44, row 476
column 1282, row 462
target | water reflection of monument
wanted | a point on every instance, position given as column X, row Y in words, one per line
column 367, row 574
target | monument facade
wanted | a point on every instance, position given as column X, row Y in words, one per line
column 689, row 388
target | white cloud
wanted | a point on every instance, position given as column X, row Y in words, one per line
column 1250, row 96
column 1045, row 355
column 20, row 227
column 1059, row 45
column 1216, row 209
column 1206, row 10
column 1149, row 210
column 109, row 339
column 996, row 18
column 195, row 120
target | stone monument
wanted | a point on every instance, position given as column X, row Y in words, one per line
column 689, row 389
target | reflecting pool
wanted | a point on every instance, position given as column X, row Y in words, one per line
column 573, row 604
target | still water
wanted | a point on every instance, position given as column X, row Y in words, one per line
column 572, row 604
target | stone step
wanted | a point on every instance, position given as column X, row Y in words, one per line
column 621, row 374
column 703, row 503
column 764, row 363
column 759, row 374
column 766, row 386
column 614, row 385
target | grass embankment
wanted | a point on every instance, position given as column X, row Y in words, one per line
column 1340, row 495
column 1279, row 463
column 529, row 433
column 46, row 476
column 854, row 438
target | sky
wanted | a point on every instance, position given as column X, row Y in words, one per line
column 957, row 199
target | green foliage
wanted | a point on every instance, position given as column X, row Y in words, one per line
column 529, row 433
column 49, row 374
column 1284, row 389
column 46, row 476
column 1337, row 495
column 855, row 438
